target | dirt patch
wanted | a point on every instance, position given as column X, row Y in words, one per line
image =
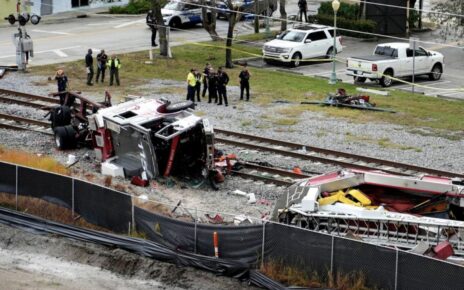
column 29, row 261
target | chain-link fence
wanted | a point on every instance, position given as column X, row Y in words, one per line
column 255, row 243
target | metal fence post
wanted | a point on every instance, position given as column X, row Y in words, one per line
column 72, row 198
column 263, row 244
column 133, row 214
column 332, row 255
column 396, row 270
column 16, row 190
column 195, row 233
column 168, row 40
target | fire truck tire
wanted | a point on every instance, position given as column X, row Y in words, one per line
column 179, row 106
column 61, row 137
column 60, row 116
column 71, row 136
column 65, row 137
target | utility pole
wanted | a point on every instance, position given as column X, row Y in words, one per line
column 413, row 40
column 266, row 20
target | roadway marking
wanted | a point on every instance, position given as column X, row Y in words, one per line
column 60, row 53
column 129, row 23
column 422, row 82
column 52, row 32
column 45, row 51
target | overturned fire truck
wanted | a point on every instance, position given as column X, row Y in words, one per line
column 142, row 137
column 381, row 208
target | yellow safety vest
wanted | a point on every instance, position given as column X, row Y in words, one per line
column 117, row 64
column 191, row 80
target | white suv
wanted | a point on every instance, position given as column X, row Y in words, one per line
column 308, row 41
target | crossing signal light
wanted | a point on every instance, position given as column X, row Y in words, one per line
column 22, row 20
column 11, row 19
column 35, row 19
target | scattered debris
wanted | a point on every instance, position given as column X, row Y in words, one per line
column 251, row 196
column 377, row 92
column 177, row 205
column 242, row 220
column 341, row 99
column 137, row 180
column 443, row 250
column 217, row 219
column 359, row 202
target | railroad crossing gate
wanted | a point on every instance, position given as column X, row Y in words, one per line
column 390, row 20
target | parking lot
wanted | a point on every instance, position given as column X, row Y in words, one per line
column 445, row 87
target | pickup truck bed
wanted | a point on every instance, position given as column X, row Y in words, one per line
column 374, row 57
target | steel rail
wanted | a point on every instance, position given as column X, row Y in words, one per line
column 29, row 96
column 20, row 128
column 23, row 103
column 24, row 120
column 265, row 179
column 371, row 163
column 274, row 170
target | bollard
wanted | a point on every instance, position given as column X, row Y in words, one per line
column 216, row 244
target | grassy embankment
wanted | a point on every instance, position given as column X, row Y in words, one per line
column 305, row 277
column 413, row 111
column 32, row 160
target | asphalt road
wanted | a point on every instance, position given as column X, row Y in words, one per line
column 70, row 39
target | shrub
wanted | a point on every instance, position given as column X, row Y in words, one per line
column 358, row 25
column 348, row 11
column 134, row 7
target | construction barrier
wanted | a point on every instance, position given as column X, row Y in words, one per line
column 250, row 245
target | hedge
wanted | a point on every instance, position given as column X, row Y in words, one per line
column 347, row 11
column 134, row 7
column 359, row 25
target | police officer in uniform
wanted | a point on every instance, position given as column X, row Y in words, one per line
column 89, row 67
column 205, row 78
column 223, row 80
column 212, row 86
column 152, row 23
column 244, row 77
column 102, row 58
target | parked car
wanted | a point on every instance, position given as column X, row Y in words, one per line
column 304, row 42
column 265, row 7
column 179, row 13
column 395, row 60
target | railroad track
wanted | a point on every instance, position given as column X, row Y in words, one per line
column 271, row 175
column 315, row 154
column 24, row 124
column 25, row 99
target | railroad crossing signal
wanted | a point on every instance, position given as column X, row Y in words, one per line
column 23, row 19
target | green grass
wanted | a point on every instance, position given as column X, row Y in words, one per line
column 413, row 110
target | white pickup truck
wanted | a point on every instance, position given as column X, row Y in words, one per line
column 395, row 60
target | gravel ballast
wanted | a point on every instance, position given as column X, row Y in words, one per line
column 386, row 141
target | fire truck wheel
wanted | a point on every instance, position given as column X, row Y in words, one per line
column 71, row 136
column 61, row 137
column 179, row 106
column 60, row 116
column 65, row 137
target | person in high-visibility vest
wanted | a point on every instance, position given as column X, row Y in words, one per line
column 191, row 84
column 114, row 64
